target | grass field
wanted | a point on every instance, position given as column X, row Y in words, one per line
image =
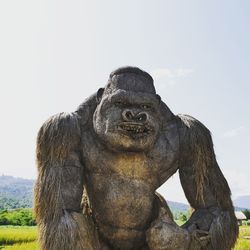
column 18, row 238
column 24, row 238
column 243, row 244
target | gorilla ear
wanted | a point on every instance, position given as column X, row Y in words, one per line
column 99, row 95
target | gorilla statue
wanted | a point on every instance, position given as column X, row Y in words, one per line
column 99, row 168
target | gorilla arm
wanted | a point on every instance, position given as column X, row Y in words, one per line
column 205, row 188
column 59, row 187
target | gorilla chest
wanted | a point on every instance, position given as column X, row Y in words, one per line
column 130, row 165
column 144, row 166
column 123, row 183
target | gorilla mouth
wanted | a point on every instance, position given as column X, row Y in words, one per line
column 135, row 129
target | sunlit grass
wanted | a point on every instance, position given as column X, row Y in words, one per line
column 25, row 238
column 243, row 244
column 15, row 237
column 22, row 246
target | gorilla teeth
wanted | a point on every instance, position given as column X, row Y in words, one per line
column 135, row 128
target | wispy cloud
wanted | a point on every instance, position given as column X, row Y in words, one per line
column 170, row 73
column 235, row 131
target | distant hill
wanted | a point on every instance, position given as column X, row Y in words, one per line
column 15, row 192
column 177, row 207
column 242, row 201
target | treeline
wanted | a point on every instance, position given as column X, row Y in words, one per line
column 247, row 213
column 25, row 217
column 17, row 217
column 12, row 203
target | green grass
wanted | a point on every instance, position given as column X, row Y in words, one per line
column 243, row 244
column 24, row 238
column 179, row 222
column 18, row 237
column 22, row 246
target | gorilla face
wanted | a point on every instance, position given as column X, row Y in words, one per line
column 127, row 120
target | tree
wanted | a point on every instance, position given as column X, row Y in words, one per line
column 17, row 217
column 247, row 213
column 183, row 217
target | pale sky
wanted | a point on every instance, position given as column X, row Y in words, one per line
column 54, row 54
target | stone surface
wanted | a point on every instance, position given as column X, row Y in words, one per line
column 99, row 168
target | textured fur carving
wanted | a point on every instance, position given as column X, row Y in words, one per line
column 58, row 189
column 99, row 168
column 205, row 186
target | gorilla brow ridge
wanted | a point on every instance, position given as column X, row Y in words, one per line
column 131, row 97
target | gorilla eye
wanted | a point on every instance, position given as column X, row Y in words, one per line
column 146, row 106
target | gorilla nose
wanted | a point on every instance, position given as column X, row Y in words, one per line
column 128, row 115
column 141, row 117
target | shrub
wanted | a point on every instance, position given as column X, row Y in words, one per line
column 17, row 217
column 247, row 213
column 183, row 217
column 246, row 223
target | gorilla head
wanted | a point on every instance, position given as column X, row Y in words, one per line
column 127, row 116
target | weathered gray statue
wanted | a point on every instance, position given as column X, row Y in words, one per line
column 99, row 168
